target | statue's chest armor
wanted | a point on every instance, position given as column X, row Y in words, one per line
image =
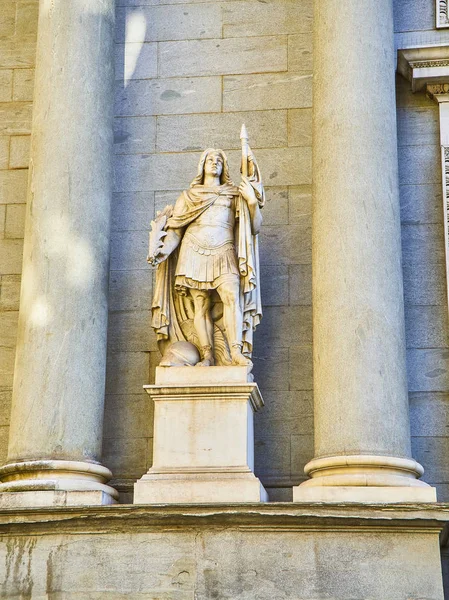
column 215, row 225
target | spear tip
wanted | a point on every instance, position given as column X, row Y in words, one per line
column 243, row 133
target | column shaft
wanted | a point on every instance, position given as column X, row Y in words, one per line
column 58, row 394
column 362, row 434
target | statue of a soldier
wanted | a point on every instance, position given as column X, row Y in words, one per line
column 207, row 289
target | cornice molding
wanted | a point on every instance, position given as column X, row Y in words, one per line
column 424, row 66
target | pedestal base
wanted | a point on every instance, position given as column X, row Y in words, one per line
column 203, row 446
column 43, row 498
column 198, row 488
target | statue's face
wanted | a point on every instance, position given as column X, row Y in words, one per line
column 213, row 164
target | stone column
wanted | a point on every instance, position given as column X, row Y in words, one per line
column 362, row 436
column 58, row 395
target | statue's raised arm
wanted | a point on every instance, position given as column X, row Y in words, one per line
column 206, row 301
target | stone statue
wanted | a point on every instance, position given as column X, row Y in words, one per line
column 207, row 291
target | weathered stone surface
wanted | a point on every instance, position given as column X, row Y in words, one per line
column 23, row 85
column 7, row 356
column 430, row 451
column 5, row 406
column 300, row 289
column 130, row 331
column 169, row 96
column 19, row 153
column 428, row 370
column 132, row 211
column 159, row 23
column 300, row 56
column 300, row 127
column 282, row 166
column 418, row 126
column 426, row 326
column 300, row 368
column 17, row 52
column 271, row 368
column 9, row 292
column 419, row 164
column 276, row 210
column 13, row 186
column 421, row 204
column 405, row 97
column 129, row 250
column 126, row 456
column 134, row 135
column 285, row 326
column 126, row 372
column 6, row 85
column 292, row 245
column 424, row 283
column 300, row 204
column 224, row 56
column 274, row 284
column 8, row 328
column 128, row 416
column 429, row 414
column 11, row 256
column 130, row 290
column 2, row 219
column 423, row 243
column 8, row 20
column 246, row 19
column 15, row 118
column 26, row 18
column 268, row 129
column 262, row 92
column 15, row 221
column 135, row 61
column 413, row 15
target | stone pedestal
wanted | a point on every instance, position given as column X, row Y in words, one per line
column 203, row 448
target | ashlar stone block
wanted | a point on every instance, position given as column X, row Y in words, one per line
column 23, row 85
column 19, row 153
column 15, row 221
column 168, row 96
column 135, row 60
column 6, row 76
column 245, row 19
column 159, row 23
column 13, row 186
column 223, row 56
column 267, row 91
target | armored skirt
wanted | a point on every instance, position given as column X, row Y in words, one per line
column 204, row 268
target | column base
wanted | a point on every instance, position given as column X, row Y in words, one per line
column 55, row 482
column 360, row 478
column 198, row 488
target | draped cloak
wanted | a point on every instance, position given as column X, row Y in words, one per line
column 172, row 313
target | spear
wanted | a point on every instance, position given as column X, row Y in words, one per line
column 244, row 141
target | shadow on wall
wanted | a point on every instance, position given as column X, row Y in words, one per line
column 283, row 341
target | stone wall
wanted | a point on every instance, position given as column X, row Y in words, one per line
column 18, row 26
column 423, row 255
column 188, row 75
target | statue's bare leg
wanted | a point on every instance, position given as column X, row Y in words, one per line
column 203, row 326
column 229, row 292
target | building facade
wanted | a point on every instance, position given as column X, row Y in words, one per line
column 121, row 98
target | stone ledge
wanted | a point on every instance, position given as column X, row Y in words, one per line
column 429, row 518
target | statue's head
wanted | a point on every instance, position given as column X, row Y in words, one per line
column 213, row 161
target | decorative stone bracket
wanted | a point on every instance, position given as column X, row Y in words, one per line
column 428, row 70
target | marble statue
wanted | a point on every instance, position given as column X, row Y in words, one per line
column 206, row 301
